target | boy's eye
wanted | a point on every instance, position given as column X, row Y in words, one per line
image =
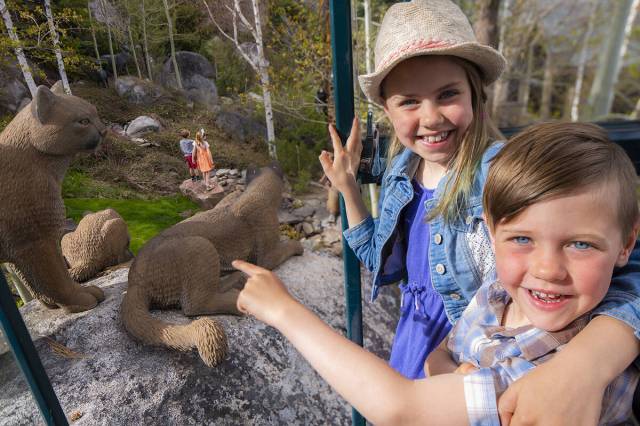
column 448, row 94
column 408, row 102
column 84, row 121
column 521, row 240
column 581, row 245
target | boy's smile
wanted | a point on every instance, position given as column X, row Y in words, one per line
column 556, row 258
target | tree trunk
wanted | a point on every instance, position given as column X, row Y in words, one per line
column 603, row 87
column 486, row 25
column 144, row 42
column 547, row 87
column 373, row 191
column 582, row 61
column 113, row 57
column 133, row 49
column 264, row 81
column 636, row 112
column 56, row 47
column 173, row 47
column 93, row 32
column 524, row 85
column 499, row 88
column 22, row 60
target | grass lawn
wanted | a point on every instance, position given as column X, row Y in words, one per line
column 145, row 218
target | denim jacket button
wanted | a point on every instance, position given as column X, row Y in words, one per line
column 469, row 220
column 440, row 268
column 455, row 296
column 437, row 239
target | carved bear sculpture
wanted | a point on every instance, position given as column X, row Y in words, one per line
column 189, row 265
column 100, row 240
column 36, row 148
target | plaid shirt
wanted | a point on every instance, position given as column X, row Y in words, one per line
column 503, row 355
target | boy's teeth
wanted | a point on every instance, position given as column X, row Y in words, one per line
column 436, row 138
column 545, row 297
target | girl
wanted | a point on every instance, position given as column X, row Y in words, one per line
column 429, row 78
column 202, row 157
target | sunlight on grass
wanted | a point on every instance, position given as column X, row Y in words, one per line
column 145, row 218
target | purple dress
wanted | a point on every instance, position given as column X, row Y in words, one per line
column 423, row 322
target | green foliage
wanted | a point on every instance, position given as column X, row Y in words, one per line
column 145, row 218
column 233, row 74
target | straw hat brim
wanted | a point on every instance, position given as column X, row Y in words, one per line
column 490, row 62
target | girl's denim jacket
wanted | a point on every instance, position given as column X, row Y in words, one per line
column 460, row 254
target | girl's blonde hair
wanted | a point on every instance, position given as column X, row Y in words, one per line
column 199, row 139
column 465, row 160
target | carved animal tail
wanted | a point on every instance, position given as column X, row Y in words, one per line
column 204, row 334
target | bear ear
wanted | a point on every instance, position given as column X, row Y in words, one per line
column 42, row 104
column 58, row 88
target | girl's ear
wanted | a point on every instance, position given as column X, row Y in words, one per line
column 629, row 245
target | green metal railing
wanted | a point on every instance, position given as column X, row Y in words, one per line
column 342, row 58
column 27, row 358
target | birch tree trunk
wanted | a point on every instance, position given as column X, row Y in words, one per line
column 93, row 31
column 547, row 87
column 603, row 87
column 486, row 25
column 582, row 61
column 56, row 47
column 22, row 60
column 259, row 65
column 173, row 47
column 500, row 86
column 636, row 112
column 524, row 85
column 145, row 43
column 133, row 49
column 264, row 80
column 113, row 58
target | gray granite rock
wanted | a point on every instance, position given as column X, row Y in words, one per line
column 114, row 380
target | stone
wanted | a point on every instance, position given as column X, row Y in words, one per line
column 103, row 376
column 197, row 75
column 304, row 211
column 307, row 228
column 240, row 126
column 197, row 192
column 286, row 218
column 138, row 91
column 141, row 125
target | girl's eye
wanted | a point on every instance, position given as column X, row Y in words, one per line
column 521, row 240
column 581, row 245
column 448, row 94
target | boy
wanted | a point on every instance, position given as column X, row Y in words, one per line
column 186, row 146
column 561, row 210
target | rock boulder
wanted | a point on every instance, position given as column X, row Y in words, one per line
column 137, row 91
column 197, row 76
column 103, row 377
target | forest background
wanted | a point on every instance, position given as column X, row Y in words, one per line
column 568, row 60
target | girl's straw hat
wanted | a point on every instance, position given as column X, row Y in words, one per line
column 427, row 27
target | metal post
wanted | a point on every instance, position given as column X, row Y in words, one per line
column 340, row 11
column 25, row 353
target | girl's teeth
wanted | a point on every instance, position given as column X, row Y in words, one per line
column 545, row 297
column 436, row 138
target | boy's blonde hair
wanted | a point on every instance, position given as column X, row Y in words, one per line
column 466, row 159
column 550, row 160
column 184, row 133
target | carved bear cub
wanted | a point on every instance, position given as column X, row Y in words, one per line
column 36, row 148
column 101, row 240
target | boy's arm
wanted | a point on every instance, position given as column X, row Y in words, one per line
column 439, row 361
column 377, row 391
column 568, row 389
